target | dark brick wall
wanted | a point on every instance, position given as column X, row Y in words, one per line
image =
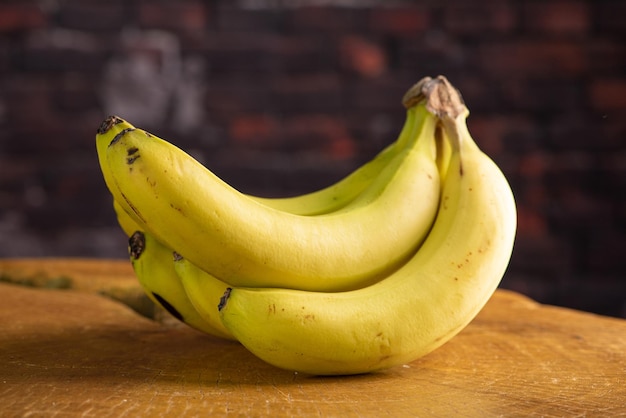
column 281, row 97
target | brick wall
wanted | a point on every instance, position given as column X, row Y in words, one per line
column 281, row 97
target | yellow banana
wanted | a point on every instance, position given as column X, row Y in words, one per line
column 166, row 285
column 128, row 225
column 338, row 195
column 158, row 273
column 415, row 309
column 322, row 201
column 201, row 287
column 246, row 243
column 154, row 266
column 341, row 193
column 329, row 199
column 318, row 202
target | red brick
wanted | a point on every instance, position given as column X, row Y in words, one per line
column 608, row 94
column 498, row 134
column 487, row 133
column 586, row 132
column 543, row 94
column 531, row 250
column 530, row 223
column 366, row 58
column 609, row 17
column 325, row 20
column 17, row 17
column 256, row 130
column 577, row 205
column 478, row 18
column 533, row 166
column 92, row 16
column 326, row 134
column 558, row 17
column 227, row 95
column 606, row 55
column 532, row 58
column 183, row 15
column 400, row 20
column 314, row 92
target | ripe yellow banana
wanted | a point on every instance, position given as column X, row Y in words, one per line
column 416, row 308
column 318, row 202
column 326, row 200
column 167, row 286
column 246, row 243
column 125, row 221
column 203, row 291
column 160, row 274
column 154, row 267
column 323, row 201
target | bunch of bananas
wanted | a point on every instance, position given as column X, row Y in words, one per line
column 372, row 272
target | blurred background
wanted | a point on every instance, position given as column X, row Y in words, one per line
column 281, row 97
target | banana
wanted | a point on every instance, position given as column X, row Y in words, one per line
column 125, row 221
column 172, row 282
column 318, row 202
column 163, row 286
column 413, row 310
column 444, row 151
column 246, row 243
column 341, row 193
column 323, row 201
column 154, row 267
column 158, row 271
column 201, row 287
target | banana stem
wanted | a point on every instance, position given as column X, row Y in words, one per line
column 444, row 101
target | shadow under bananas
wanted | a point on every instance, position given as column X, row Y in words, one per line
column 111, row 345
column 173, row 358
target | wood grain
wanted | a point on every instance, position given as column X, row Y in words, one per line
column 77, row 353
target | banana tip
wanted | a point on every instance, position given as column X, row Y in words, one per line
column 108, row 123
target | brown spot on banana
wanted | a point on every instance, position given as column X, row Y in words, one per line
column 132, row 155
column 136, row 245
column 444, row 202
column 224, row 299
column 120, row 135
column 108, row 123
column 177, row 209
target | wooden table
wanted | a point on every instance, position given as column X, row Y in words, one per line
column 78, row 351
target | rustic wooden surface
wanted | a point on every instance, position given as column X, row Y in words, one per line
column 79, row 352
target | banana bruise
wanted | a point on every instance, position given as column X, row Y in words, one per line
column 154, row 268
column 246, row 243
column 412, row 311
